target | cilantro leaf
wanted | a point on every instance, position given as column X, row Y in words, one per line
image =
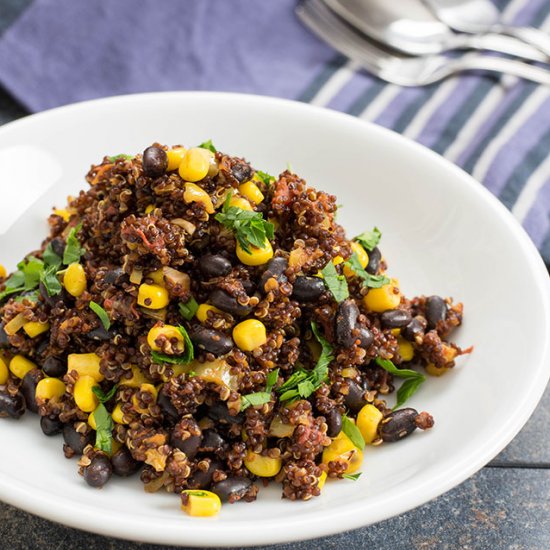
column 352, row 477
column 352, row 431
column 271, row 379
column 104, row 397
column 120, row 156
column 249, row 227
column 369, row 239
column 13, row 284
column 30, row 296
column 208, row 145
column 50, row 281
column 32, row 270
column 50, row 258
column 371, row 281
column 73, row 250
column 260, row 398
column 104, row 429
column 189, row 308
column 185, row 358
column 337, row 284
column 413, row 380
column 102, row 314
column 265, row 178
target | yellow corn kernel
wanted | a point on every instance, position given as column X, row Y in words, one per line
column 193, row 193
column 63, row 213
column 85, row 364
column 91, row 421
column 171, row 333
column 396, row 331
column 195, row 165
column 257, row 256
column 137, row 379
column 361, row 254
column 239, row 202
column 343, row 450
column 3, row 272
column 199, row 503
column 149, row 388
column 202, row 312
column 13, row 326
column 74, row 280
column 250, row 334
column 406, row 349
column 4, row 372
column 48, row 388
column 251, row 191
column 157, row 277
column 84, row 397
column 383, row 298
column 152, row 296
column 19, row 366
column 118, row 415
column 149, row 208
column 262, row 466
column 322, row 479
column 368, row 419
column 34, row 328
column 175, row 156
column 337, row 260
column 432, row 370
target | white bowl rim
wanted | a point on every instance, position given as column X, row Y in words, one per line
column 345, row 518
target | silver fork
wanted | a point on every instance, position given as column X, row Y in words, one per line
column 402, row 70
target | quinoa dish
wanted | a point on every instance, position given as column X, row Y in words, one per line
column 211, row 328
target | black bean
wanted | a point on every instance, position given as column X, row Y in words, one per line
column 374, row 261
column 154, row 161
column 12, row 405
column 98, row 472
column 212, row 442
column 436, row 310
column 414, row 328
column 275, row 269
column 232, row 488
column 63, row 296
column 334, row 422
column 366, row 337
column 42, row 346
column 219, row 411
column 214, row 265
column 189, row 445
column 355, row 399
column 58, row 246
column 345, row 321
column 241, row 172
column 115, row 276
column 395, row 318
column 51, row 425
column 211, row 340
column 75, row 440
column 4, row 341
column 228, row 303
column 100, row 334
column 249, row 286
column 55, row 367
column 168, row 410
column 28, row 388
column 124, row 464
column 308, row 289
column 398, row 424
column 201, row 479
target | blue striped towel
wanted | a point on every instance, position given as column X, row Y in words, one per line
column 496, row 128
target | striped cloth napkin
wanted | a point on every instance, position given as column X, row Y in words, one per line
column 496, row 128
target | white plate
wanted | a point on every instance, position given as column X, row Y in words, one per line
column 442, row 233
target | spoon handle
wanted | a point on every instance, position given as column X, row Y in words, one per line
column 535, row 37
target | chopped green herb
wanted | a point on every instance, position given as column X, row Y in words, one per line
column 352, row 431
column 369, row 239
column 50, row 281
column 189, row 308
column 104, row 397
column 30, row 296
column 352, row 477
column 304, row 383
column 337, row 284
column 265, row 178
column 371, row 281
column 51, row 258
column 32, row 270
column 102, row 314
column 73, row 250
column 185, row 358
column 120, row 156
column 104, row 429
column 249, row 227
column 260, row 398
column 208, row 145
column 413, row 380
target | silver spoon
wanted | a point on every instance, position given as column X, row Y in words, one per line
column 479, row 16
column 410, row 27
